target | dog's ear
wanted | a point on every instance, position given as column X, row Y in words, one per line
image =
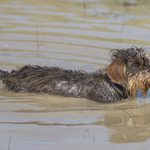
column 116, row 71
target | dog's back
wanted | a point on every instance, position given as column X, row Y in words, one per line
column 58, row 81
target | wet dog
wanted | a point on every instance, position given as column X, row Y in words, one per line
column 129, row 70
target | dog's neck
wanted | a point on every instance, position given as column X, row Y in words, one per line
column 118, row 88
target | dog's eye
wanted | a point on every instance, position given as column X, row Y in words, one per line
column 137, row 65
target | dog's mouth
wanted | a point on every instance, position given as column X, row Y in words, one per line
column 139, row 81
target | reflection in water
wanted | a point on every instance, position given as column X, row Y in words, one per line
column 72, row 34
column 46, row 110
column 128, row 129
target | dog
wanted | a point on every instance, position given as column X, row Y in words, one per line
column 128, row 71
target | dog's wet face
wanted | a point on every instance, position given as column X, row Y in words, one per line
column 136, row 61
column 137, row 69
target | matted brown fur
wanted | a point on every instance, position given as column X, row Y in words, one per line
column 129, row 70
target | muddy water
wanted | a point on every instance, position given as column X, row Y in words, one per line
column 72, row 34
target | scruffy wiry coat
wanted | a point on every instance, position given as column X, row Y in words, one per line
column 129, row 70
column 63, row 82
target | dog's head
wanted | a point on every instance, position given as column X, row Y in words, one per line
column 130, row 68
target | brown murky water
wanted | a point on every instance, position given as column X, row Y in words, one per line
column 76, row 34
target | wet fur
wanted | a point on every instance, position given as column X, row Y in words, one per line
column 62, row 82
column 71, row 83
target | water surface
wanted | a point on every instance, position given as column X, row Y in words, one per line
column 72, row 34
